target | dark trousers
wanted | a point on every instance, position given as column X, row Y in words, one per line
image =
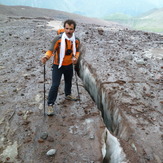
column 67, row 71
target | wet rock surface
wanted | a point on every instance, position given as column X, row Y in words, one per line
column 127, row 66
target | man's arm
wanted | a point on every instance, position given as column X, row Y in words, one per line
column 49, row 53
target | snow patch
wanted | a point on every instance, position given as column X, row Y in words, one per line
column 55, row 24
column 155, row 53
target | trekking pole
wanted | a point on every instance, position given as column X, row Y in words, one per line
column 44, row 88
column 77, row 83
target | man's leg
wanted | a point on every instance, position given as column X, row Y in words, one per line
column 68, row 74
column 56, row 77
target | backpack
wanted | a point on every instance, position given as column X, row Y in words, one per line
column 60, row 31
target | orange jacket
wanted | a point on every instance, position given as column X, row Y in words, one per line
column 55, row 49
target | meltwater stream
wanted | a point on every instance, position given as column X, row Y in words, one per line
column 112, row 150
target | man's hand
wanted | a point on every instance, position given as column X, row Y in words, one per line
column 74, row 60
column 43, row 60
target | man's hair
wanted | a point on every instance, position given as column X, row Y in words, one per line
column 69, row 22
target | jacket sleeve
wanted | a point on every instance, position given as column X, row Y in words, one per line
column 52, row 48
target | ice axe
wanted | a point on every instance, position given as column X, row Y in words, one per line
column 44, row 86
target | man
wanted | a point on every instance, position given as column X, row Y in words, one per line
column 65, row 48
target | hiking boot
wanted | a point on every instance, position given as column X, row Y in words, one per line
column 71, row 98
column 50, row 110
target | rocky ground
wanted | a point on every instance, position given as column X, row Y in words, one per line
column 22, row 120
column 126, row 64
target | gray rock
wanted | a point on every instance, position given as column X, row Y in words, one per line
column 129, row 57
column 140, row 62
column 44, row 135
column 50, row 139
column 92, row 136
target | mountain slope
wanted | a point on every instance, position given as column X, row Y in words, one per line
column 33, row 12
column 150, row 21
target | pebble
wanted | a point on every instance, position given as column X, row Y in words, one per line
column 134, row 147
column 44, row 135
column 140, row 62
column 51, row 152
column 50, row 139
column 20, row 113
column 100, row 31
column 92, row 136
column 129, row 57
column 147, row 158
column 40, row 140
column 25, row 122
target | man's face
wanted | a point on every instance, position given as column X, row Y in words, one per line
column 69, row 30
